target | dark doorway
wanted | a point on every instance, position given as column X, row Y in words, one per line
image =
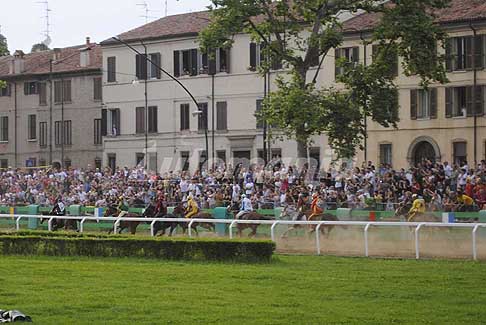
column 242, row 157
column 423, row 151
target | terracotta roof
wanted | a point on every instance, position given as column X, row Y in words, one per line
column 458, row 11
column 38, row 63
column 170, row 26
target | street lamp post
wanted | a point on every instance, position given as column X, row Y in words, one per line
column 178, row 82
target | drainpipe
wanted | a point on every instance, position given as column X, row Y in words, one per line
column 15, row 125
column 365, row 119
column 475, row 81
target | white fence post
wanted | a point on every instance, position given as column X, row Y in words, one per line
column 318, row 238
column 49, row 224
column 152, row 231
column 116, row 225
column 272, row 230
column 189, row 228
column 17, row 223
column 230, row 228
column 81, row 225
column 366, row 239
column 474, row 243
column 417, row 241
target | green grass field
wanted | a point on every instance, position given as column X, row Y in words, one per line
column 290, row 290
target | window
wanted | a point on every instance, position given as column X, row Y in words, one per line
column 351, row 56
column 42, row 162
column 389, row 54
column 141, row 66
column 464, row 101
column 31, row 162
column 192, row 62
column 32, row 127
column 42, row 93
column 464, row 53
column 139, row 157
column 423, row 103
column 112, row 161
column 4, row 128
column 221, row 155
column 98, row 139
column 97, row 163
column 202, row 118
column 140, row 120
column 152, row 119
column 111, row 67
column 257, row 57
column 217, row 61
column 63, row 135
column 97, row 89
column 4, row 163
column 460, row 152
column 154, row 71
column 62, row 91
column 260, row 123
column 31, row 88
column 386, row 153
column 221, row 110
column 6, row 91
column 185, row 160
column 110, row 122
column 67, row 163
column 185, row 117
column 186, row 62
column 43, row 134
column 203, row 159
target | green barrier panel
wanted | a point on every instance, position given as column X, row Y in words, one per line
column 343, row 214
column 74, row 210
column 88, row 210
column 277, row 212
column 220, row 213
column 45, row 210
column 136, row 210
column 170, row 210
column 22, row 210
column 266, row 212
column 4, row 209
column 482, row 216
column 33, row 222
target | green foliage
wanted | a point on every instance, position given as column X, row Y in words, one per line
column 60, row 244
column 3, row 46
column 300, row 31
column 39, row 47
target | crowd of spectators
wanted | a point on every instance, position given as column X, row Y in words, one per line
column 441, row 185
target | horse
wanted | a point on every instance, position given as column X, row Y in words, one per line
column 130, row 225
column 67, row 224
column 252, row 215
column 295, row 215
column 161, row 226
column 179, row 211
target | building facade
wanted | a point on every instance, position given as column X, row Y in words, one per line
column 50, row 111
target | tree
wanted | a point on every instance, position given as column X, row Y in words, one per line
column 300, row 33
column 3, row 46
column 39, row 47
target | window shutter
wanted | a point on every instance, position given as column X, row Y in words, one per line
column 469, row 52
column 478, row 52
column 449, row 54
column 356, row 54
column 448, row 99
column 104, row 123
column 227, row 56
column 337, row 56
column 222, row 116
column 155, row 71
column 413, row 104
column 67, row 90
column 152, row 119
column 138, row 66
column 253, row 56
column 117, row 120
column 139, row 120
column 479, row 101
column 433, row 103
column 212, row 63
column 177, row 69
column 26, row 88
column 194, row 70
column 469, row 101
column 111, row 69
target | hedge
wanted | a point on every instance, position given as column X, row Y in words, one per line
column 115, row 246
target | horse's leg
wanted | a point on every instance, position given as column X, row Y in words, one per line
column 240, row 230
column 253, row 231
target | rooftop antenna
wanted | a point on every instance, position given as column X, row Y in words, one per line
column 146, row 10
column 47, row 32
column 166, row 8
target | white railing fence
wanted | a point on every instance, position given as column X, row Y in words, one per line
column 417, row 226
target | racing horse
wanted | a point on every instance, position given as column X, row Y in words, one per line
column 290, row 213
column 112, row 211
column 179, row 212
column 161, row 226
column 67, row 224
column 248, row 216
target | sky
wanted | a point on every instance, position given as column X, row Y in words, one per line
column 23, row 21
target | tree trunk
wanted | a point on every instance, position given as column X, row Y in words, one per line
column 300, row 133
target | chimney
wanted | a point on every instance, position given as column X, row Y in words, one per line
column 56, row 54
column 88, row 41
column 17, row 63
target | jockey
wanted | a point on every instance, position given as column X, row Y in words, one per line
column 192, row 208
column 122, row 207
column 59, row 209
column 418, row 206
column 160, row 207
column 245, row 207
column 316, row 210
